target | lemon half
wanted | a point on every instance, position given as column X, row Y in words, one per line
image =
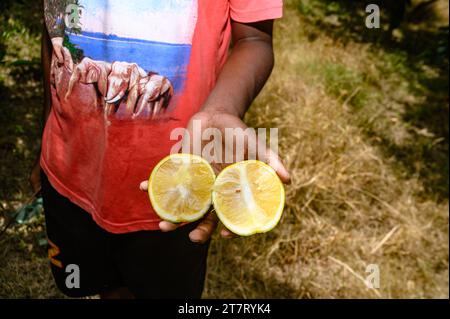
column 180, row 188
column 248, row 198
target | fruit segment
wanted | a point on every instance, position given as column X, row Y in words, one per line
column 180, row 188
column 249, row 198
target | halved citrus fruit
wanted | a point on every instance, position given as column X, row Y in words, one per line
column 249, row 198
column 180, row 188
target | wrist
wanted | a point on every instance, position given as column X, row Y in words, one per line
column 216, row 109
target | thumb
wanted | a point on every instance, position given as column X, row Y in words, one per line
column 275, row 162
column 166, row 226
column 144, row 186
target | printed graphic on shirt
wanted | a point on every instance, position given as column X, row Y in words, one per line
column 135, row 53
column 54, row 251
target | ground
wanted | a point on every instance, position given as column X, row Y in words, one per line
column 363, row 121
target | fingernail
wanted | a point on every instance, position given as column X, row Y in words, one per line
column 195, row 240
column 162, row 228
column 226, row 234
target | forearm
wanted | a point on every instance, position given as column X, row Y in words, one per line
column 243, row 76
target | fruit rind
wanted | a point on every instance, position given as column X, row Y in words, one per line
column 161, row 212
column 249, row 232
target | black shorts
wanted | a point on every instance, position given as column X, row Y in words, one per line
column 151, row 264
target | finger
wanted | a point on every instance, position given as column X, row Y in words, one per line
column 204, row 230
column 168, row 226
column 225, row 233
column 144, row 186
column 275, row 162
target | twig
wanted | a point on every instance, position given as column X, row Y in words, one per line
column 351, row 96
column 384, row 240
column 309, row 183
column 393, row 210
column 354, row 273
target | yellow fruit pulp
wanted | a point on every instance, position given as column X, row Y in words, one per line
column 180, row 188
column 249, row 198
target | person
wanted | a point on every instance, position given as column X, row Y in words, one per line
column 119, row 78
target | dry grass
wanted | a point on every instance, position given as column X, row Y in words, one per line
column 354, row 200
column 347, row 207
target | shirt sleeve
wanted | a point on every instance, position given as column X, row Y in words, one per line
column 247, row 11
column 54, row 17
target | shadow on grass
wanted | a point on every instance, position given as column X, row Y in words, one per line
column 422, row 46
column 25, row 270
column 20, row 125
column 234, row 278
column 20, row 98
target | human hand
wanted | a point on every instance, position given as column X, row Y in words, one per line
column 221, row 121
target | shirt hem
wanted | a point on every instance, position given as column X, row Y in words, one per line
column 147, row 225
column 269, row 13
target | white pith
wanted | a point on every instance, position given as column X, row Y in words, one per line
column 249, row 200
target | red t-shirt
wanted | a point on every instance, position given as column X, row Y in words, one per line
column 133, row 71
